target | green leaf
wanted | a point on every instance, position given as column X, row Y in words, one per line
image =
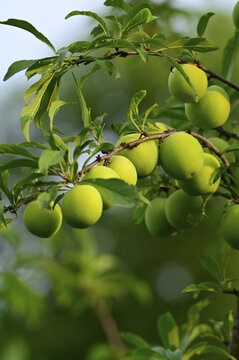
column 144, row 55
column 198, row 44
column 16, row 150
column 40, row 66
column 203, row 286
column 45, row 198
column 229, row 323
column 85, row 112
column 34, row 144
column 108, row 67
column 4, row 176
column 230, row 54
column 197, row 349
column 210, row 264
column 2, row 218
column 148, row 354
column 19, row 163
column 92, row 15
column 210, row 349
column 20, row 185
column 136, row 100
column 25, row 25
column 55, row 106
column 195, row 332
column 17, row 67
column 79, row 46
column 116, row 191
column 168, row 330
column 35, row 87
column 50, row 158
column 137, row 15
column 118, row 4
column 133, row 339
column 203, row 22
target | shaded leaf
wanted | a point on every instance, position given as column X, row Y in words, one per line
column 92, row 15
column 203, row 286
column 46, row 197
column 210, row 264
column 230, row 53
column 168, row 330
column 16, row 150
column 85, row 112
column 25, row 25
column 137, row 15
column 118, row 4
column 203, row 22
column 50, row 158
column 17, row 67
column 198, row 44
column 18, row 163
column 133, row 339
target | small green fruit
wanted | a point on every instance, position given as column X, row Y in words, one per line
column 235, row 15
column 124, row 168
column 222, row 145
column 211, row 111
column 204, row 182
column 155, row 219
column 179, row 87
column 182, row 210
column 181, row 155
column 230, row 227
column 144, row 156
column 82, row 206
column 42, row 222
column 102, row 172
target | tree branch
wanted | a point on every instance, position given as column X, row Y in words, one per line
column 226, row 133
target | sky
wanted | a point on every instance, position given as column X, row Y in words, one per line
column 17, row 44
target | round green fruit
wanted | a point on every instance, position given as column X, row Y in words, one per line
column 155, row 219
column 211, row 111
column 182, row 210
column 205, row 182
column 179, row 87
column 222, row 145
column 181, row 155
column 144, row 156
column 230, row 227
column 102, row 172
column 82, row 206
column 42, row 222
column 235, row 15
column 124, row 168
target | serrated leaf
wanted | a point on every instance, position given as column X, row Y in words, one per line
column 210, row 264
column 92, row 15
column 230, row 54
column 133, row 339
column 203, row 22
column 121, row 4
column 25, row 25
column 17, row 67
column 198, row 44
column 116, row 191
column 49, row 158
column 46, row 197
column 168, row 330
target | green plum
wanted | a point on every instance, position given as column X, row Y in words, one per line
column 182, row 210
column 180, row 88
column 102, row 172
column 230, row 227
column 144, row 156
column 211, row 111
column 204, row 182
column 155, row 219
column 82, row 206
column 124, row 168
column 42, row 222
column 181, row 155
column 235, row 15
column 222, row 145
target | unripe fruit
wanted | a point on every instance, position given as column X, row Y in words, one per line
column 144, row 156
column 102, row 172
column 235, row 15
column 222, row 145
column 179, row 87
column 211, row 111
column 124, row 168
column 181, row 155
column 42, row 222
column 182, row 210
column 204, row 182
column 82, row 206
column 230, row 227
column 155, row 219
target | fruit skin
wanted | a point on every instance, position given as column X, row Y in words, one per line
column 82, row 206
column 181, row 155
column 102, row 172
column 235, row 15
column 222, row 145
column 211, row 111
column 230, row 227
column 144, row 156
column 155, row 219
column 42, row 222
column 179, row 87
column 203, row 183
column 182, row 210
column 124, row 168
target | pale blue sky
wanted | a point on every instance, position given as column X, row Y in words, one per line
column 17, row 44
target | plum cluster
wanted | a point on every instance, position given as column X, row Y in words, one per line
column 179, row 154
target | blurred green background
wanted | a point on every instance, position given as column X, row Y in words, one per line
column 49, row 289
